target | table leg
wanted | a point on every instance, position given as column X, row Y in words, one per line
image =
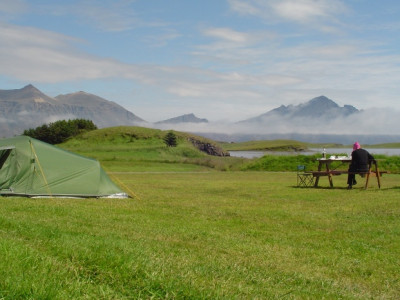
column 317, row 177
column 378, row 175
column 329, row 175
column 367, row 180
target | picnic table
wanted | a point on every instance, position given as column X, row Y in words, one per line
column 324, row 169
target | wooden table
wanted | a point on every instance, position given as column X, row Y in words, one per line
column 324, row 169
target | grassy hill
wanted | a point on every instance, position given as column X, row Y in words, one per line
column 129, row 148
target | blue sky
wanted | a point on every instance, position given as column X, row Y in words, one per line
column 224, row 60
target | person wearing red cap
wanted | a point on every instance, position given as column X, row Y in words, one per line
column 359, row 163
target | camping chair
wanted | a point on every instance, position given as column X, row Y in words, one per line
column 304, row 178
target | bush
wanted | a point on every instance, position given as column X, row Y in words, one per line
column 60, row 131
column 170, row 139
column 282, row 163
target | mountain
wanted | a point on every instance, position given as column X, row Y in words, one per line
column 28, row 107
column 27, row 97
column 102, row 112
column 319, row 108
column 188, row 118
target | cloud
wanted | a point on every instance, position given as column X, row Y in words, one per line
column 238, row 38
column 234, row 49
column 9, row 8
column 163, row 37
column 299, row 11
column 31, row 54
column 385, row 122
column 104, row 15
column 304, row 11
column 108, row 15
column 227, row 34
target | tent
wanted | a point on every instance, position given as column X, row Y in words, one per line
column 29, row 167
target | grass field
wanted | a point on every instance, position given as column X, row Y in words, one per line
column 197, row 229
column 207, row 235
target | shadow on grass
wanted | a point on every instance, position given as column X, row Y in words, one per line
column 313, row 187
column 344, row 188
column 391, row 188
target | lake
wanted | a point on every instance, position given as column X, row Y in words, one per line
column 329, row 151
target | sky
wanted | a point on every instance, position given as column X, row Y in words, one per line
column 224, row 60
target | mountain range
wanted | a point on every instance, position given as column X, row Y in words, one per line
column 311, row 121
column 28, row 107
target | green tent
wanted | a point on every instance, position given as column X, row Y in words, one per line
column 29, row 167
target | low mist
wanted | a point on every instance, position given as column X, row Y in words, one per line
column 371, row 125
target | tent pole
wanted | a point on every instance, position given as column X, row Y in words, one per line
column 41, row 170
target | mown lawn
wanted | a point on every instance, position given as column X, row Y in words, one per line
column 216, row 235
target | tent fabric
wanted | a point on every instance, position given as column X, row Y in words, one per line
column 29, row 167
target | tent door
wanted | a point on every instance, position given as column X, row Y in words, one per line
column 8, row 167
column 4, row 154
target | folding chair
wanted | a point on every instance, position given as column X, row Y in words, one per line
column 304, row 178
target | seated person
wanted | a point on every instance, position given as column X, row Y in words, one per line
column 360, row 159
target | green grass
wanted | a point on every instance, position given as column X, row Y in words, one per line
column 217, row 235
column 194, row 232
column 267, row 145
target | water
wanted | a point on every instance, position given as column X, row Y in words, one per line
column 329, row 151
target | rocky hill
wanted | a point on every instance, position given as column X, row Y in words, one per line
column 28, row 107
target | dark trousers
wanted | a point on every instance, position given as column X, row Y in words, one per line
column 351, row 178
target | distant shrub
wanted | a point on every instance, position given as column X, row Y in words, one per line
column 281, row 163
column 170, row 139
column 60, row 131
column 388, row 163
